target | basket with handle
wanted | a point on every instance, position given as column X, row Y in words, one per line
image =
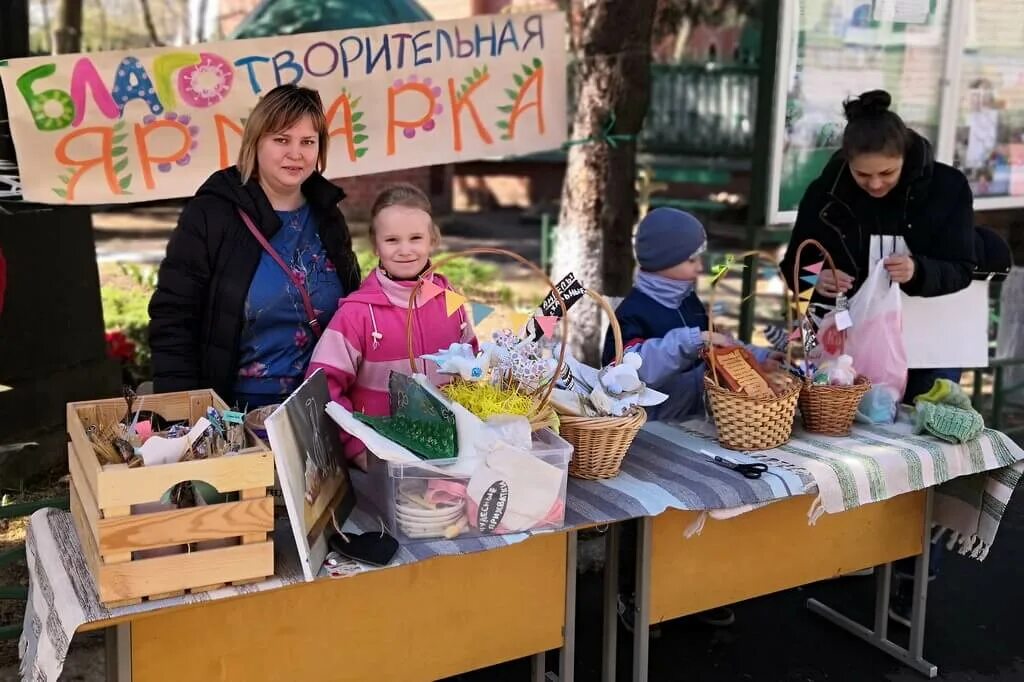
column 745, row 422
column 601, row 443
column 824, row 409
column 542, row 413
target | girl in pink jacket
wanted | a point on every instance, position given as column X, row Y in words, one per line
column 367, row 338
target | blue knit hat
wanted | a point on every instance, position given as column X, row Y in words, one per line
column 667, row 237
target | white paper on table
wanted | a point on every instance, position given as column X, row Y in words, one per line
column 947, row 331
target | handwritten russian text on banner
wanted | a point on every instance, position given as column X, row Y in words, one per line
column 118, row 127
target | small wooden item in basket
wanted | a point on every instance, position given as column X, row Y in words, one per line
column 738, row 370
column 825, row 409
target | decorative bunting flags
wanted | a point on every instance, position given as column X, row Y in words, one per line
column 453, row 301
column 801, row 307
column 810, row 279
column 480, row 312
column 547, row 324
column 806, row 294
column 429, row 291
column 518, row 321
column 815, row 268
column 795, row 335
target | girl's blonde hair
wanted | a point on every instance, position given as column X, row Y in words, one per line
column 279, row 110
column 408, row 196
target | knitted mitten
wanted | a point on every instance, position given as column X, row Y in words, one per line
column 946, row 392
column 947, row 422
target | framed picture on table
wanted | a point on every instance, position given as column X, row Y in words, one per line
column 311, row 469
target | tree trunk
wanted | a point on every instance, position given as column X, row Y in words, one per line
column 598, row 210
column 48, row 46
column 147, row 18
column 67, row 38
column 101, row 12
column 201, row 21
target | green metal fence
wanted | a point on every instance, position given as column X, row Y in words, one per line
column 697, row 109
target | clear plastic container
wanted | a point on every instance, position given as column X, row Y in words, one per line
column 502, row 492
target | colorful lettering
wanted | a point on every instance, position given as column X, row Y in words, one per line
column 418, row 47
column 479, row 38
column 534, row 81
column 346, row 58
column 104, row 157
column 248, row 62
column 132, row 82
column 508, row 35
column 85, row 77
column 402, row 37
column 343, row 105
column 288, row 63
column 223, row 124
column 51, row 109
column 164, row 67
column 534, row 27
column 444, row 37
column 147, row 159
column 333, row 55
column 408, row 126
column 464, row 102
column 206, row 83
column 461, row 43
column 384, row 52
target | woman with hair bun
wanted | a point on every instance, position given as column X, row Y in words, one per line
column 885, row 181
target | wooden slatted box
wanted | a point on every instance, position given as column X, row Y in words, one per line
column 102, row 496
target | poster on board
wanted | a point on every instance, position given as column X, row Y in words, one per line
column 154, row 123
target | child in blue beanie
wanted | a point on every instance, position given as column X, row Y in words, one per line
column 663, row 319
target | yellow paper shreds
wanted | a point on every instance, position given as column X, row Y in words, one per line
column 486, row 401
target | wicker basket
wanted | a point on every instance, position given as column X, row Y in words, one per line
column 600, row 443
column 745, row 422
column 542, row 413
column 827, row 410
column 830, row 410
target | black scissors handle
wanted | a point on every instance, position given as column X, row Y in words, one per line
column 752, row 470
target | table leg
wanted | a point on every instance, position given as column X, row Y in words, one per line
column 119, row 653
column 911, row 656
column 538, row 667
column 610, row 639
column 567, row 656
column 642, row 600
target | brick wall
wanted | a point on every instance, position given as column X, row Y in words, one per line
column 361, row 190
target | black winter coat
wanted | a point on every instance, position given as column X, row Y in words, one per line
column 198, row 308
column 931, row 207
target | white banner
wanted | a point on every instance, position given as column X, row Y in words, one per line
column 118, row 127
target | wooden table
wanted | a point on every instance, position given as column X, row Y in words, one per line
column 421, row 621
column 768, row 550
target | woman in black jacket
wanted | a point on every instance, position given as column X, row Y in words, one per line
column 230, row 308
column 886, row 181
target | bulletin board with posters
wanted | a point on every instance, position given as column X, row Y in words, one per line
column 955, row 69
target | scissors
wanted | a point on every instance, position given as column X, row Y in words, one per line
column 749, row 470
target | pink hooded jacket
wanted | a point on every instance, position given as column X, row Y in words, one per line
column 367, row 339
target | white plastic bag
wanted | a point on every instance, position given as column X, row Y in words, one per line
column 875, row 342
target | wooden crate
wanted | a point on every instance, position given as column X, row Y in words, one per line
column 102, row 496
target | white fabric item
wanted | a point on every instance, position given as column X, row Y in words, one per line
column 533, row 486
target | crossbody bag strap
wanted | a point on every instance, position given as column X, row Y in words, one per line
column 313, row 323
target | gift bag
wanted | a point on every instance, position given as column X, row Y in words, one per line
column 875, row 341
